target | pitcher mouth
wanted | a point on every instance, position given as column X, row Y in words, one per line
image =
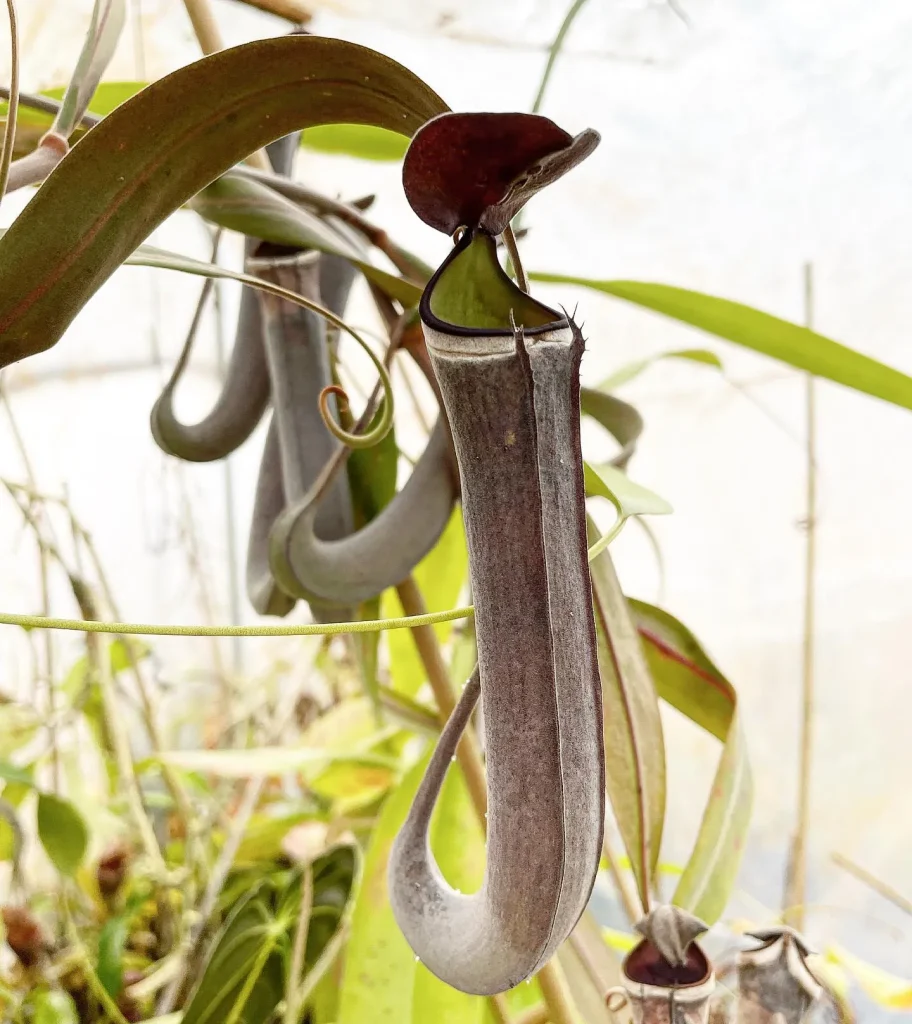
column 439, row 310
column 644, row 965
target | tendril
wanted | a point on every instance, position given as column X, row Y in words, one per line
column 385, row 420
column 353, row 439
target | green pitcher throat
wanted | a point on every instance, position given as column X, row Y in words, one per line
column 473, row 292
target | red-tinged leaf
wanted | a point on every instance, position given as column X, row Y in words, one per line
column 159, row 148
column 461, row 166
column 686, row 678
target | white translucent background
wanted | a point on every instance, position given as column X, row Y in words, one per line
column 761, row 136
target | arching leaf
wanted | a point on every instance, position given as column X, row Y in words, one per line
column 154, row 152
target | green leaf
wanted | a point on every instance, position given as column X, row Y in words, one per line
column 119, row 658
column 9, row 843
column 355, row 140
column 685, row 677
column 20, row 776
column 348, row 726
column 380, row 967
column 52, row 1006
column 372, row 474
column 18, row 725
column 107, row 97
column 157, row 150
column 629, row 498
column 123, row 651
column 797, row 346
column 111, row 942
column 619, row 418
column 627, row 373
column 372, row 478
column 254, row 209
column 367, row 650
column 19, row 782
column 885, row 989
column 634, row 743
column 244, row 970
column 353, row 785
column 622, row 942
column 108, row 17
column 62, row 832
column 263, row 837
column 440, row 577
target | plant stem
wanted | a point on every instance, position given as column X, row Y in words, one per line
column 111, row 1009
column 326, row 959
column 175, row 786
column 43, row 103
column 509, row 240
column 550, row 978
column 873, row 882
column 304, row 629
column 796, row 886
column 554, row 52
column 234, row 574
column 293, row 984
column 535, row 1015
column 33, row 168
column 122, row 753
column 9, row 134
column 556, row 994
column 227, row 854
column 295, row 11
column 429, row 651
column 243, row 997
column 216, row 882
column 500, row 1011
column 36, row 522
column 209, row 37
column 405, row 262
column 631, row 904
column 205, row 27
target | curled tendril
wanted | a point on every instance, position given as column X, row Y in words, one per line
column 385, row 420
column 350, row 438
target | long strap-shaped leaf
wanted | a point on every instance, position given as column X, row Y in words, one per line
column 512, row 400
column 687, row 679
column 789, row 343
column 162, row 146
